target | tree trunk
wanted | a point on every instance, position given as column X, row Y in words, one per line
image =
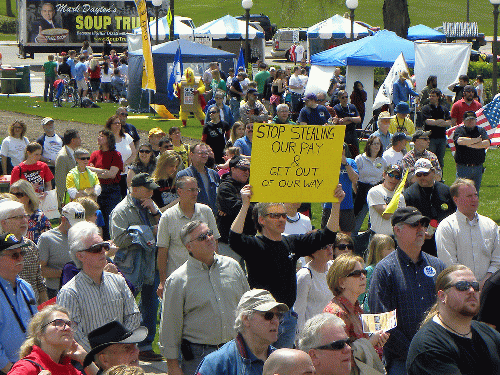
column 396, row 17
column 8, row 8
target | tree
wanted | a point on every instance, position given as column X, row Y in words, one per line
column 396, row 17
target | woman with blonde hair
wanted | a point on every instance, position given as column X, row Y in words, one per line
column 50, row 346
column 37, row 222
column 14, row 146
column 164, row 175
column 237, row 131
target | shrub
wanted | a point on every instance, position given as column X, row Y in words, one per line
column 8, row 25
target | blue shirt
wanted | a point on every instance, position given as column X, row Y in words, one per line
column 384, row 138
column 401, row 92
column 245, row 145
column 213, row 181
column 314, row 116
column 11, row 334
column 80, row 70
column 234, row 358
column 344, row 179
column 71, row 64
column 398, row 283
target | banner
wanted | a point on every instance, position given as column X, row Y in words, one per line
column 447, row 61
column 384, row 95
column 176, row 74
column 295, row 163
column 146, row 44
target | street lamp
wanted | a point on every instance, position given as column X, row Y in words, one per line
column 495, row 4
column 247, row 5
column 352, row 5
column 157, row 5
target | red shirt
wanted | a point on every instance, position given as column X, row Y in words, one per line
column 37, row 355
column 460, row 107
column 95, row 74
column 37, row 174
column 106, row 160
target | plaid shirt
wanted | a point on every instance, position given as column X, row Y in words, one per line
column 32, row 272
column 398, row 283
column 411, row 158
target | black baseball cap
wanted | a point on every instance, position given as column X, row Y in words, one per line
column 408, row 215
column 144, row 179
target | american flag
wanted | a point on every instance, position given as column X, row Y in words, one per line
column 488, row 117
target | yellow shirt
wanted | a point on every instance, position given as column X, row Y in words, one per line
column 183, row 152
column 83, row 179
column 399, row 125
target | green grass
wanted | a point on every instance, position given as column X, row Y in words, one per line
column 305, row 13
column 8, row 37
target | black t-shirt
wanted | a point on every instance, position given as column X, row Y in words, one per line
column 436, row 113
column 314, row 116
column 215, row 138
column 490, row 295
column 64, row 68
column 350, row 129
column 459, row 92
column 165, row 194
column 435, row 350
column 237, row 86
column 466, row 155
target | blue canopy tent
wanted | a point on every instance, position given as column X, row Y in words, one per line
column 194, row 55
column 422, row 32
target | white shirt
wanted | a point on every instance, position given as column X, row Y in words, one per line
column 474, row 243
column 392, row 157
column 123, row 147
column 299, row 224
column 296, row 81
column 299, row 52
column 51, row 147
column 14, row 148
column 380, row 195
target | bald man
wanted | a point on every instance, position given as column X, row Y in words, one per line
column 288, row 362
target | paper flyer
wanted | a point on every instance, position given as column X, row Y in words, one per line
column 379, row 322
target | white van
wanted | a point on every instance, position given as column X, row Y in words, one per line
column 283, row 39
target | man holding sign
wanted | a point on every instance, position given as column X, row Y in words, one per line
column 271, row 258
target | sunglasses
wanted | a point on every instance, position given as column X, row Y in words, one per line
column 420, row 174
column 343, row 97
column 15, row 256
column 464, row 285
column 417, row 224
column 336, row 345
column 269, row 315
column 61, row 324
column 202, row 237
column 19, row 194
column 357, row 273
column 85, row 158
column 123, row 114
column 144, row 151
column 343, row 246
column 397, row 176
column 276, row 215
column 97, row 248
column 212, row 112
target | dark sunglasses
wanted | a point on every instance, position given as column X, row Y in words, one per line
column 144, row 151
column 19, row 194
column 336, row 345
column 357, row 273
column 97, row 248
column 418, row 223
column 397, row 176
column 202, row 237
column 464, row 285
column 343, row 246
column 269, row 315
column 213, row 112
column 15, row 256
column 344, row 97
column 62, row 323
column 420, row 174
column 84, row 158
column 123, row 114
column 277, row 215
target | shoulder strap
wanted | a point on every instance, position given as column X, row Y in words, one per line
column 33, row 363
column 307, row 268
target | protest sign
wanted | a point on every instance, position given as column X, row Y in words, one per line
column 295, row 163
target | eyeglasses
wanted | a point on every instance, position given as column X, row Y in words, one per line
column 420, row 174
column 269, row 315
column 397, row 176
column 464, row 285
column 19, row 217
column 202, row 237
column 62, row 323
column 417, row 224
column 116, row 123
column 424, row 139
column 97, row 248
column 123, row 114
column 202, row 153
column 144, row 151
column 344, row 97
column 213, row 112
column 191, row 190
column 15, row 256
column 336, row 345
column 19, row 194
column 84, row 158
column 276, row 215
column 357, row 273
column 344, row 246
column 167, row 146
column 243, row 168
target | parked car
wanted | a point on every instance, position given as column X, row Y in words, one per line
column 264, row 21
column 283, row 39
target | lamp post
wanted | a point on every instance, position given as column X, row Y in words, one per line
column 171, row 31
column 352, row 5
column 247, row 5
column 495, row 4
column 157, row 5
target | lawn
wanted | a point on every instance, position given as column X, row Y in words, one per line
column 8, row 37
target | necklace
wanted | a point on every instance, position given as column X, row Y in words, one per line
column 458, row 333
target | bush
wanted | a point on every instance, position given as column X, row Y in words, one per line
column 8, row 25
column 480, row 68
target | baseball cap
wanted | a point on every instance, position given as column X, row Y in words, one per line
column 399, row 137
column 469, row 114
column 423, row 165
column 408, row 215
column 394, row 168
column 46, row 120
column 74, row 212
column 239, row 162
column 260, row 300
column 311, row 96
column 156, row 131
column 419, row 134
column 144, row 179
column 9, row 241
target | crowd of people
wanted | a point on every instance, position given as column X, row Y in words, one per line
column 242, row 284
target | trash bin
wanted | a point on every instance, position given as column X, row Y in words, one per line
column 23, row 72
column 8, row 86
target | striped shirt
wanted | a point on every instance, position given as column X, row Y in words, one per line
column 92, row 305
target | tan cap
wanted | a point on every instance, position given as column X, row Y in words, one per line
column 260, row 300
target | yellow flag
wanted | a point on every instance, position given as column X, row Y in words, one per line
column 394, row 203
column 169, row 17
column 146, row 44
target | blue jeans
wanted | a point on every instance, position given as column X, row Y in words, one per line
column 199, row 352
column 438, row 146
column 474, row 173
column 287, row 330
column 234, row 105
column 149, row 311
